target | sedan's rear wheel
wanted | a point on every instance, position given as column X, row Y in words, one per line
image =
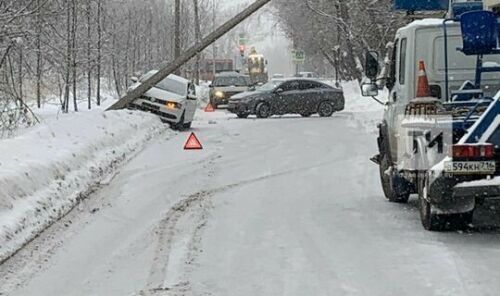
column 326, row 109
column 242, row 115
column 305, row 114
column 263, row 110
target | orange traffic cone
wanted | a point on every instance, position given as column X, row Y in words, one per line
column 423, row 88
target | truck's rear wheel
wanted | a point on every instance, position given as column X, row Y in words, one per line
column 430, row 221
column 437, row 222
column 395, row 189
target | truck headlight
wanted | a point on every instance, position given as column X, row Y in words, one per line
column 219, row 94
column 173, row 105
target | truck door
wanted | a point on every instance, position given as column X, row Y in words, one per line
column 398, row 94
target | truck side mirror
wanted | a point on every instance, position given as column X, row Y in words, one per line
column 371, row 65
column 134, row 79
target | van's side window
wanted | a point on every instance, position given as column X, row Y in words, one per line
column 391, row 80
column 402, row 62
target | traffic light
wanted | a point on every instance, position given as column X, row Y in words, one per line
column 242, row 50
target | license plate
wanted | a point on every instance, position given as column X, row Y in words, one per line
column 470, row 167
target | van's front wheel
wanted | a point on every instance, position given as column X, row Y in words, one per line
column 395, row 189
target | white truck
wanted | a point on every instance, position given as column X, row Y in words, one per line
column 423, row 42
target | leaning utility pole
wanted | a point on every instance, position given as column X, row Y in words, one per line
column 197, row 33
column 187, row 55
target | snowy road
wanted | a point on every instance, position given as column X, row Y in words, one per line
column 285, row 206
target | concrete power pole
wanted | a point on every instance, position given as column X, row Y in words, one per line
column 187, row 55
column 214, row 47
column 197, row 32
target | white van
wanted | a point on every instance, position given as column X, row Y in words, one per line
column 173, row 99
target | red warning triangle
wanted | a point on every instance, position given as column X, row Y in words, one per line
column 209, row 108
column 193, row 143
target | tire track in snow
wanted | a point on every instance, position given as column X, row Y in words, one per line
column 185, row 221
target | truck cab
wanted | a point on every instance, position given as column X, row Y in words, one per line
column 423, row 40
column 432, row 49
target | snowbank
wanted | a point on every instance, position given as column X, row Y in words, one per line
column 46, row 171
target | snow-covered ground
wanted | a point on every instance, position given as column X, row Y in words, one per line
column 48, row 168
column 283, row 206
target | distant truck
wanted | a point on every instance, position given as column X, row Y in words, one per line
column 257, row 67
column 428, row 76
column 211, row 67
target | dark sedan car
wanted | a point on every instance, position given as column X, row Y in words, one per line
column 294, row 96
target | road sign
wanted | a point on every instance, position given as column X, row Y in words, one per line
column 298, row 56
column 243, row 39
column 193, row 143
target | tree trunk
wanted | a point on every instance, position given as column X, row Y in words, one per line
column 68, row 58
column 351, row 62
column 114, row 64
column 74, row 54
column 177, row 32
column 99, row 49
column 127, row 47
column 20, row 82
column 89, row 55
column 38, row 57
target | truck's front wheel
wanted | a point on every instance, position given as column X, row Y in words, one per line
column 395, row 188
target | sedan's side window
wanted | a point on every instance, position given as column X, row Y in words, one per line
column 305, row 85
column 290, row 86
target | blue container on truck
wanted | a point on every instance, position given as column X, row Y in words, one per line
column 420, row 5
